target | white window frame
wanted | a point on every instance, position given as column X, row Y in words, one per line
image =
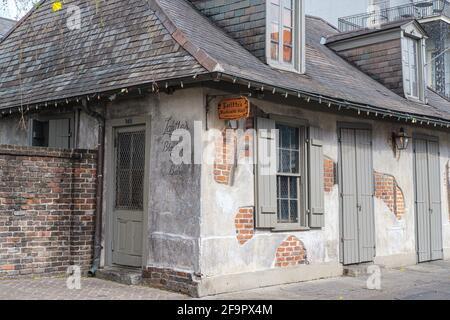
column 298, row 37
column 420, row 65
column 302, row 176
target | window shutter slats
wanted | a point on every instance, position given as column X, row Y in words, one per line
column 266, row 208
column 316, row 186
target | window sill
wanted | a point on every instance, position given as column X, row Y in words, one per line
column 282, row 67
column 290, row 229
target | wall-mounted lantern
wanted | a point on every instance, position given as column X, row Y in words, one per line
column 400, row 139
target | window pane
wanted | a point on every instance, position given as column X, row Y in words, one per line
column 287, row 36
column 288, row 199
column 287, row 54
column 283, row 187
column 293, row 188
column 275, row 13
column 287, row 18
column 283, row 214
column 285, row 161
column 285, row 136
column 294, row 168
column 293, row 211
column 288, row 149
column 275, row 34
column 274, row 51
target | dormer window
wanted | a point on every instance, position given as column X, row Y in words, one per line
column 411, row 68
column 285, row 36
column 413, row 56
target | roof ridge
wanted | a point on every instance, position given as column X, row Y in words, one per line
column 202, row 57
column 323, row 20
column 25, row 17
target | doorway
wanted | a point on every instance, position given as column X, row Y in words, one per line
column 357, row 225
column 427, row 199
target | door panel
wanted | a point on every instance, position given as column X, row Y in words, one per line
column 435, row 201
column 349, row 198
column 365, row 186
column 129, row 188
column 357, row 218
column 428, row 200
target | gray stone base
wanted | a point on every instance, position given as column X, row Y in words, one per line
column 172, row 280
column 356, row 270
column 266, row 278
column 120, row 275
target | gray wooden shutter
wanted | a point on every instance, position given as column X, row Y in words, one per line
column 266, row 179
column 316, row 192
column 435, row 201
column 59, row 133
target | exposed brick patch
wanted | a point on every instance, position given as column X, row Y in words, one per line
column 245, row 225
column 225, row 148
column 328, row 174
column 387, row 189
column 47, row 205
column 291, row 252
column 172, row 280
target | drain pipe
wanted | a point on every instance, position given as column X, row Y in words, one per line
column 99, row 197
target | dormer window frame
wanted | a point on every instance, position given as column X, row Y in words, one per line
column 410, row 37
column 298, row 36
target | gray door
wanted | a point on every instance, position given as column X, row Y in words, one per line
column 428, row 200
column 356, row 185
column 128, row 210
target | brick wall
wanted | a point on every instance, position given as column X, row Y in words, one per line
column 387, row 189
column 47, row 205
column 245, row 226
column 328, row 174
column 382, row 61
column 169, row 279
column 244, row 20
column 225, row 150
column 291, row 252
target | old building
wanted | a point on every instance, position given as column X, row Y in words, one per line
column 434, row 16
column 207, row 147
column 5, row 26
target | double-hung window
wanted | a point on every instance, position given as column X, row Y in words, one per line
column 290, row 142
column 289, row 175
column 285, row 36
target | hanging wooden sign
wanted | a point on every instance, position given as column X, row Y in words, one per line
column 234, row 108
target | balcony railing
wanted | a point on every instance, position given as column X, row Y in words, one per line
column 417, row 10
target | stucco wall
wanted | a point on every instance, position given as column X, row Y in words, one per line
column 87, row 129
column 174, row 197
column 221, row 251
column 11, row 133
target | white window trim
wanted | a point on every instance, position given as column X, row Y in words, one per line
column 302, row 184
column 421, row 74
column 298, row 45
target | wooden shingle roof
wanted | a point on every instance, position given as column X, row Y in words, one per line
column 121, row 44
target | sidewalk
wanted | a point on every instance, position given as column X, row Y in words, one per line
column 424, row 281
